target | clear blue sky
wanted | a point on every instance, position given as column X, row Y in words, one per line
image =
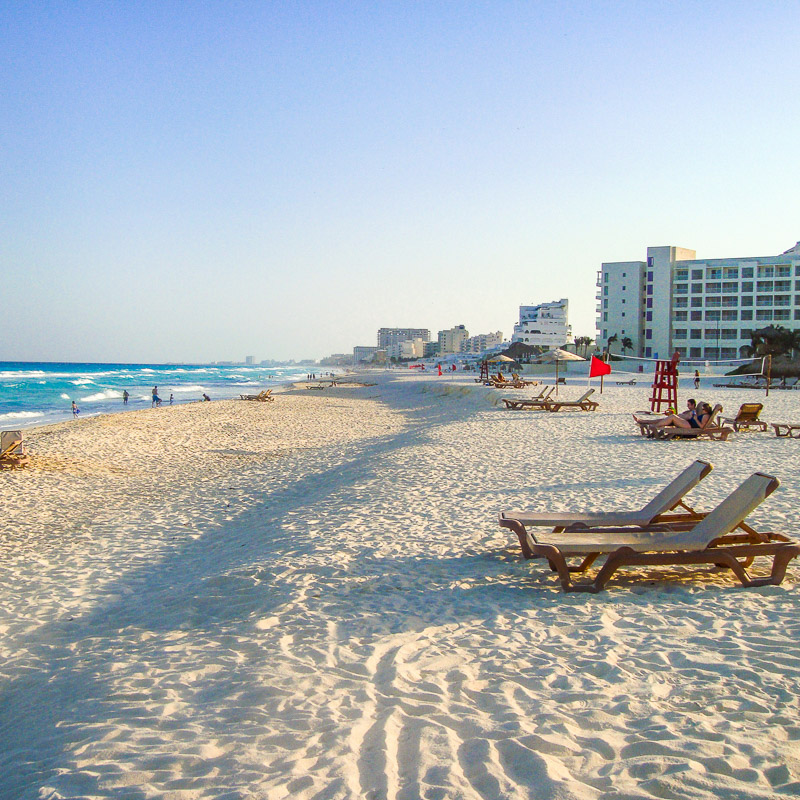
column 207, row 180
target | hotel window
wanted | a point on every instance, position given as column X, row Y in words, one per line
column 680, row 274
column 696, row 333
column 605, row 277
column 680, row 333
column 649, row 303
column 797, row 313
column 713, row 288
column 728, row 352
column 697, row 274
column 713, row 302
column 747, row 286
column 697, row 302
column 648, row 352
column 623, row 288
column 764, row 315
column 650, row 276
column 747, row 272
column 681, row 288
column 729, row 333
column 623, row 313
column 746, row 333
column 711, row 353
column 797, row 299
column 713, row 273
column 747, row 315
column 783, row 286
column 782, row 314
column 730, row 286
column 730, row 272
column 680, row 302
column 649, row 288
column 697, row 288
column 797, row 286
column 783, row 271
column 766, row 272
column 605, row 303
column 763, row 300
column 649, row 316
column 605, row 316
column 746, row 301
column 764, row 286
column 730, row 316
column 712, row 316
column 697, row 316
column 624, row 275
column 783, row 300
column 605, row 290
column 797, row 271
column 681, row 351
column 680, row 316
column 730, row 302
column 648, row 334
column 695, row 352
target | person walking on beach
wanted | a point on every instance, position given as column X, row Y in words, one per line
column 697, row 379
column 171, row 398
column 156, row 398
column 75, row 409
column 125, row 397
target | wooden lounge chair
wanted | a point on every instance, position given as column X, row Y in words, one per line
column 263, row 397
column 786, row 430
column 581, row 404
column 11, row 445
column 746, row 418
column 631, row 382
column 708, row 431
column 708, row 541
column 657, row 510
column 529, row 402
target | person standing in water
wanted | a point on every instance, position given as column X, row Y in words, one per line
column 75, row 409
column 156, row 398
column 125, row 397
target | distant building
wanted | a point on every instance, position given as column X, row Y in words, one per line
column 544, row 325
column 703, row 308
column 431, row 349
column 250, row 360
column 452, row 340
column 411, row 348
column 363, row 354
column 389, row 336
column 482, row 341
column 335, row 360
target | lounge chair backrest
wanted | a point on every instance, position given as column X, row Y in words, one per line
column 748, row 412
column 712, row 420
column 548, row 392
column 585, row 395
column 730, row 512
column 11, row 443
column 673, row 492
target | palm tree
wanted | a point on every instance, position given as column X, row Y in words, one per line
column 611, row 339
column 583, row 342
column 627, row 344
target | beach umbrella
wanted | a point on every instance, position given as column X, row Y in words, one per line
column 556, row 356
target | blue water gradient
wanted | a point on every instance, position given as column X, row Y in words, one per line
column 40, row 393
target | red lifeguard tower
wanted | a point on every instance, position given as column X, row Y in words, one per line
column 665, row 384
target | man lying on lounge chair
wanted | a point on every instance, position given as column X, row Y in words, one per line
column 694, row 417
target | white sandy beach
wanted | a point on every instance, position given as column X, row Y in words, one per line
column 312, row 598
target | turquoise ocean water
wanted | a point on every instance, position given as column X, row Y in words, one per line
column 40, row 393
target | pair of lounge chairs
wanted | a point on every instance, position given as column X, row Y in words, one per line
column 262, row 397
column 711, row 430
column 547, row 403
column 658, row 535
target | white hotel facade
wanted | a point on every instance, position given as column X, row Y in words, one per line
column 703, row 308
column 546, row 325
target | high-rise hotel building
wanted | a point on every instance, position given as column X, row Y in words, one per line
column 703, row 308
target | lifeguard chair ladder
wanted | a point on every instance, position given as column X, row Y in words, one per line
column 484, row 372
column 665, row 386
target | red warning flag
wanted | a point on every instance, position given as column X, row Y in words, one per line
column 598, row 367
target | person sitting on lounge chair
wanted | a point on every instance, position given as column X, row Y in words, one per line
column 697, row 419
